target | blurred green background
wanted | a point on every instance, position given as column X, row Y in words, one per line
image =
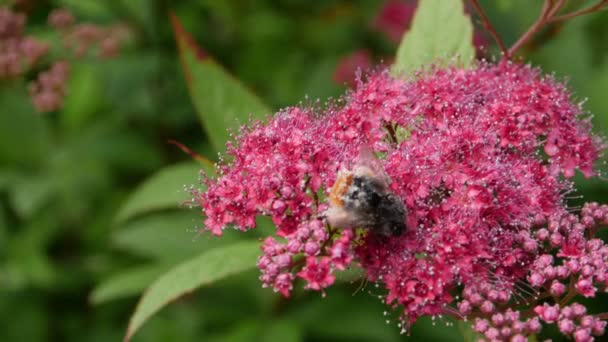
column 89, row 194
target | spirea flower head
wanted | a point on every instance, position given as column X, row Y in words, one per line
column 481, row 158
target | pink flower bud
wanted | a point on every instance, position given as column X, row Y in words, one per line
column 578, row 310
column 534, row 325
column 566, row 326
column 518, row 338
column 283, row 260
column 536, row 280
column 582, row 335
column 492, row 333
column 542, row 234
column 481, row 325
column 465, row 307
column 311, row 248
column 587, row 321
column 599, row 327
column 557, row 289
column 498, row 319
column 585, row 287
column 487, row 307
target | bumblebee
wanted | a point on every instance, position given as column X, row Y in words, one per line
column 360, row 198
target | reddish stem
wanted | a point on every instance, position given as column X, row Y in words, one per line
column 548, row 15
column 548, row 9
column 570, row 294
column 603, row 315
column 488, row 26
column 555, row 9
column 587, row 10
column 188, row 151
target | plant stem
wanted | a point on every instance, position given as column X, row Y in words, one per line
column 548, row 8
column 555, row 9
column 587, row 10
column 488, row 26
column 391, row 131
column 548, row 15
column 188, row 151
column 603, row 315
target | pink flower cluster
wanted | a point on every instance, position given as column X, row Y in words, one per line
column 49, row 89
column 481, row 160
column 85, row 37
column 507, row 326
column 572, row 320
column 18, row 52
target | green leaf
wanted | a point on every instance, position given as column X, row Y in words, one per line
column 30, row 193
column 164, row 190
column 205, row 269
column 221, row 101
column 25, row 138
column 468, row 334
column 435, row 329
column 126, row 283
column 83, row 99
column 440, row 32
column 282, row 330
column 325, row 317
column 88, row 8
column 169, row 236
column 241, row 330
column 353, row 274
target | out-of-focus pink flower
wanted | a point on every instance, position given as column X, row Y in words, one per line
column 485, row 207
column 11, row 23
column 61, row 19
column 49, row 89
column 348, row 66
column 18, row 53
column 395, row 17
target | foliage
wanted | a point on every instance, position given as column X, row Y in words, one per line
column 428, row 41
column 91, row 195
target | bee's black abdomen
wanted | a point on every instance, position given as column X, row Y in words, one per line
column 377, row 209
column 390, row 219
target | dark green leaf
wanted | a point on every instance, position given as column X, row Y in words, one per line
column 440, row 33
column 203, row 270
column 83, row 96
column 28, row 194
column 282, row 330
column 164, row 190
column 24, row 135
column 434, row 329
column 88, row 8
column 169, row 236
column 326, row 317
column 126, row 283
column 221, row 101
column 468, row 334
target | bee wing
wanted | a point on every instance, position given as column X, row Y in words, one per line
column 368, row 160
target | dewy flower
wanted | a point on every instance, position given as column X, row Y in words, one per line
column 481, row 159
